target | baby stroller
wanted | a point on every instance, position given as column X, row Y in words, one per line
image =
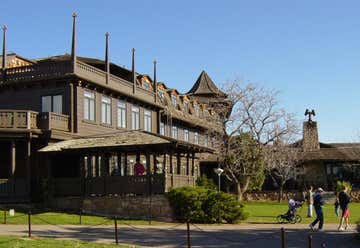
column 290, row 216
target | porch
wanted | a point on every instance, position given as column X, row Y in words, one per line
column 102, row 166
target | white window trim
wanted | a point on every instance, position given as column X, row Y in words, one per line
column 89, row 100
column 147, row 120
column 121, row 114
column 105, row 110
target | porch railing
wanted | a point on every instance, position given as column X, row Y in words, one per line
column 51, row 120
column 17, row 187
column 175, row 181
column 18, row 119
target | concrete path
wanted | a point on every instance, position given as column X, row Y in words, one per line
column 219, row 236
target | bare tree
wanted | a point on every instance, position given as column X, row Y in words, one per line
column 280, row 162
column 255, row 112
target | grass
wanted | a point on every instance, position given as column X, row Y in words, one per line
column 259, row 212
column 56, row 218
column 266, row 212
column 20, row 242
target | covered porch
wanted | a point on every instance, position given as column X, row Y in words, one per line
column 100, row 166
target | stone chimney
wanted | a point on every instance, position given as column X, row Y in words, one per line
column 310, row 140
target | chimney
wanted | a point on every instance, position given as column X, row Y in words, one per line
column 310, row 140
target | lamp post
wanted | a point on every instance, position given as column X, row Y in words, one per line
column 218, row 171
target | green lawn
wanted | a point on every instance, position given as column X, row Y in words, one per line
column 21, row 242
column 266, row 212
column 56, row 218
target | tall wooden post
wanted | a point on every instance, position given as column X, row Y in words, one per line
column 133, row 71
column 12, row 166
column 178, row 163
column 193, row 164
column 28, row 164
column 187, row 163
column 3, row 66
column 107, row 63
column 155, row 83
column 73, row 42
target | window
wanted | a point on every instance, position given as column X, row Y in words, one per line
column 162, row 128
column 89, row 105
column 173, row 100
column 135, row 117
column 205, row 140
column 197, row 110
column 51, row 104
column 121, row 114
column 186, row 135
column 196, row 138
column 106, row 110
column 186, row 108
column 146, row 85
column 174, row 132
column 147, row 120
column 161, row 94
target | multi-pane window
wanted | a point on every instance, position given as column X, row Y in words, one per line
column 173, row 100
column 89, row 105
column 174, row 133
column 146, row 85
column 185, row 104
column 121, row 114
column 186, row 135
column 147, row 120
column 106, row 110
column 197, row 110
column 205, row 140
column 52, row 104
column 161, row 94
column 162, row 128
column 135, row 117
column 196, row 137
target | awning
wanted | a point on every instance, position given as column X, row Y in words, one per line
column 127, row 140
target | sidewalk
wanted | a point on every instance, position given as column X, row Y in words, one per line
column 243, row 235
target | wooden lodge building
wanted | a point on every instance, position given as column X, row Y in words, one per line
column 74, row 126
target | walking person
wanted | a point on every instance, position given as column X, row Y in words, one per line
column 310, row 201
column 318, row 205
column 344, row 201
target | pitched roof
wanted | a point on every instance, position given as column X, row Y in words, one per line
column 204, row 86
column 121, row 140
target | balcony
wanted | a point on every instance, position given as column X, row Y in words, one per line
column 24, row 119
column 21, row 119
column 54, row 121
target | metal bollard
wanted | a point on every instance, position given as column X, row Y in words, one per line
column 188, row 233
column 283, row 238
column 4, row 216
column 29, row 224
column 310, row 241
column 80, row 215
column 116, row 231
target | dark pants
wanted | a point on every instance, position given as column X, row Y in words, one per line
column 319, row 217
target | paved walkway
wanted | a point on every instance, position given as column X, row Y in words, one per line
column 222, row 236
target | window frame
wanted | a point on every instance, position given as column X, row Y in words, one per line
column 105, row 110
column 121, row 114
column 89, row 100
column 147, row 120
column 52, row 105
column 135, row 115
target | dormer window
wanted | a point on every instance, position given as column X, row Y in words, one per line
column 173, row 100
column 197, row 110
column 146, row 85
column 186, row 106
column 161, row 94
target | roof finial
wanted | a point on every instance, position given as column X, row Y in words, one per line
column 133, row 70
column 73, row 41
column 155, row 83
column 4, row 28
column 107, row 63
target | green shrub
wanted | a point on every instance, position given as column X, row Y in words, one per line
column 206, row 182
column 201, row 205
column 340, row 184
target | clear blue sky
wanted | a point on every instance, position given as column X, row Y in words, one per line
column 309, row 50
